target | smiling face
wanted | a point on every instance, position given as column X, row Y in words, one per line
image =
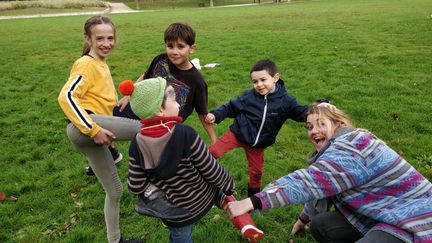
column 263, row 82
column 178, row 52
column 319, row 130
column 101, row 41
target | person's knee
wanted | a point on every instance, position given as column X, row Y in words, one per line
column 317, row 225
column 116, row 192
column 214, row 152
column 255, row 178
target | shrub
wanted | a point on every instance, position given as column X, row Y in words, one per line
column 58, row 4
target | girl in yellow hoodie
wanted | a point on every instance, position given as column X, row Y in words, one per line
column 87, row 99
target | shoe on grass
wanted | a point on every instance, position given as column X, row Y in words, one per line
column 117, row 156
column 157, row 205
column 252, row 233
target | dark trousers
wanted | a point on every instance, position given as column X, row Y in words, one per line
column 127, row 112
column 334, row 227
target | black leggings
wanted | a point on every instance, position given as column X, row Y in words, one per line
column 334, row 227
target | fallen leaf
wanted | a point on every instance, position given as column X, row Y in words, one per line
column 66, row 226
column 78, row 204
column 2, row 196
column 13, row 198
column 48, row 232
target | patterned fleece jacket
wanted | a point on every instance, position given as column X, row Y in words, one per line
column 368, row 182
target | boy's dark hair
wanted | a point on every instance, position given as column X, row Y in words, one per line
column 265, row 64
column 180, row 31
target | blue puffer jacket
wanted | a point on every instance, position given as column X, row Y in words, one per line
column 258, row 118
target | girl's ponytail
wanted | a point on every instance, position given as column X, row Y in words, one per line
column 86, row 49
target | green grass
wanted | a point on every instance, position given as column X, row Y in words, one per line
column 371, row 58
column 179, row 4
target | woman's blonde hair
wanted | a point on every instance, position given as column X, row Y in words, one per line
column 336, row 116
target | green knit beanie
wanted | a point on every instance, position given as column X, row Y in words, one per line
column 146, row 97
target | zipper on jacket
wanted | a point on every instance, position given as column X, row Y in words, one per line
column 262, row 122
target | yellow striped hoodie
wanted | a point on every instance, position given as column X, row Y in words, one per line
column 90, row 88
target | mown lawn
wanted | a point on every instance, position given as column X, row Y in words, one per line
column 371, row 58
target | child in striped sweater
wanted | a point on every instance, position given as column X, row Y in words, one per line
column 172, row 157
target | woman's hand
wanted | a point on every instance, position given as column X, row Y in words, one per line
column 328, row 106
column 104, row 137
column 210, row 118
column 238, row 208
column 123, row 102
column 298, row 226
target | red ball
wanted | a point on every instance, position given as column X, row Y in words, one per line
column 126, row 87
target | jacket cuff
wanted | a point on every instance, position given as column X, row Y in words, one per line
column 303, row 220
column 256, row 202
column 94, row 131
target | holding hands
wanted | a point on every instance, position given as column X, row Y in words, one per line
column 237, row 208
column 210, row 118
column 123, row 102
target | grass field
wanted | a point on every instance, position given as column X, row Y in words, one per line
column 371, row 58
column 178, row 4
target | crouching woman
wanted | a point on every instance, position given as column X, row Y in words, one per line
column 376, row 194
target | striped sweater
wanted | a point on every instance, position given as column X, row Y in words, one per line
column 185, row 170
column 368, row 182
column 89, row 88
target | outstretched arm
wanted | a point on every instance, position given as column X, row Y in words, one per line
column 209, row 128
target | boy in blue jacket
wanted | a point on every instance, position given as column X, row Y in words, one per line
column 258, row 116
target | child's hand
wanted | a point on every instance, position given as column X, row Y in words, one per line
column 104, row 137
column 123, row 102
column 328, row 106
column 238, row 208
column 210, row 118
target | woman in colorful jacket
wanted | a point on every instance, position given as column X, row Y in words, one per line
column 376, row 194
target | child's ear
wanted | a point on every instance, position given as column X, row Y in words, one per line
column 192, row 49
column 276, row 77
